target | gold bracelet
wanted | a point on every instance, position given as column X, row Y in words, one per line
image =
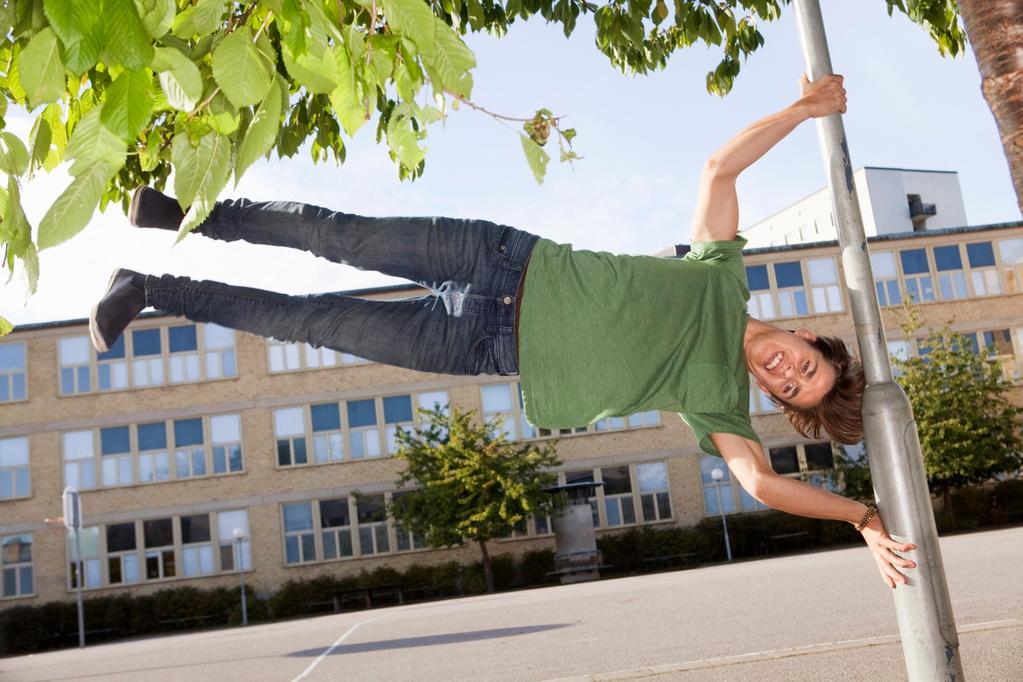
column 867, row 516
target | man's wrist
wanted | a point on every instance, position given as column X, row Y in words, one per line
column 802, row 109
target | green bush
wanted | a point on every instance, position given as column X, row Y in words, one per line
column 1007, row 501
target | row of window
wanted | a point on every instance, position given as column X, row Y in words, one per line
column 924, row 274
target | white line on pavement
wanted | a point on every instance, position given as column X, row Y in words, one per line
column 328, row 651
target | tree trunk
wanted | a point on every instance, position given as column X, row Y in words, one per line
column 995, row 31
column 487, row 570
column 946, row 499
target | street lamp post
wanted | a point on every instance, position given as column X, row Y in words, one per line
column 239, row 537
column 717, row 474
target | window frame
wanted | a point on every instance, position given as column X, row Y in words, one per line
column 9, row 376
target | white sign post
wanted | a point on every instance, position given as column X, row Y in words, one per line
column 73, row 522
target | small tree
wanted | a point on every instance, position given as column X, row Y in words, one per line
column 467, row 482
column 967, row 425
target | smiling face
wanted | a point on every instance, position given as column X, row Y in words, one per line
column 788, row 366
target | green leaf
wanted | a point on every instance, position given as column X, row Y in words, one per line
column 39, row 139
column 315, row 67
column 13, row 155
column 262, row 132
column 80, row 30
column 180, row 79
column 200, row 173
column 536, row 157
column 71, row 212
column 30, row 259
column 413, row 19
column 450, row 62
column 93, row 144
column 157, row 16
column 346, row 98
column 128, row 104
column 208, row 16
column 42, row 69
column 5, row 327
column 53, row 115
column 241, row 73
column 404, row 141
column 17, row 231
column 126, row 37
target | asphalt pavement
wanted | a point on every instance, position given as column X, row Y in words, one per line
column 817, row 616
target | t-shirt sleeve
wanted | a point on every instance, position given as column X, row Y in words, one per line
column 703, row 424
column 725, row 255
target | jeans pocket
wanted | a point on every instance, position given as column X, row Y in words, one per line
column 498, row 237
column 480, row 358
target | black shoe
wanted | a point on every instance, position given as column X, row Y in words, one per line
column 125, row 298
column 152, row 208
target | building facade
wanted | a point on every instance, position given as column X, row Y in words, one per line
column 183, row 433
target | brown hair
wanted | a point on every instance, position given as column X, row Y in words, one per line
column 838, row 412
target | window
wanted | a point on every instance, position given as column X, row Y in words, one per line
column 183, row 344
column 717, row 495
column 189, row 448
column 372, row 517
column 12, row 373
column 219, row 342
column 122, row 555
column 147, row 366
column 498, row 401
column 639, row 419
column 196, row 547
column 397, row 414
column 886, row 279
column 158, row 536
column 88, row 538
column 983, row 273
column 761, row 305
column 951, row 277
column 1011, row 252
column 819, row 456
column 234, row 554
column 898, row 350
column 115, row 448
column 363, row 434
column 654, row 492
column 112, row 367
column 79, row 459
column 289, row 429
column 824, row 290
column 791, row 294
column 619, row 508
column 291, row 357
column 759, row 401
column 75, row 375
column 336, row 522
column 16, row 563
column 226, row 434
column 784, row 460
column 917, row 273
column 299, row 542
column 14, row 470
column 327, row 439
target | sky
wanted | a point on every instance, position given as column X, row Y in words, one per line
column 643, row 138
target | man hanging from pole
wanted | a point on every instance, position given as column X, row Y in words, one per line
column 591, row 334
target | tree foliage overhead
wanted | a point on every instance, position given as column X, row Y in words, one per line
column 466, row 482
column 125, row 91
column 969, row 429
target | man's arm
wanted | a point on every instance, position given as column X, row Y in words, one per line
column 717, row 207
column 751, row 467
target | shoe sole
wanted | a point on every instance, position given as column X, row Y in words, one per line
column 94, row 335
column 133, row 209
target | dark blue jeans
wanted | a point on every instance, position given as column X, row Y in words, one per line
column 465, row 325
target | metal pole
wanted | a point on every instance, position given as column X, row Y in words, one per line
column 728, row 545
column 78, row 585
column 241, row 580
column 923, row 609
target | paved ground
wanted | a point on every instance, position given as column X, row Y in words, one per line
column 816, row 616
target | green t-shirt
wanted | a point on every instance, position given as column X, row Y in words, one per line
column 606, row 335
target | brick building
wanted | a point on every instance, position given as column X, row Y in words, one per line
column 184, row 432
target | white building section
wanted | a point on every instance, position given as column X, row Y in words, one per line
column 892, row 200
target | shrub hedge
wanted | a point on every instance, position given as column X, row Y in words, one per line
column 26, row 629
